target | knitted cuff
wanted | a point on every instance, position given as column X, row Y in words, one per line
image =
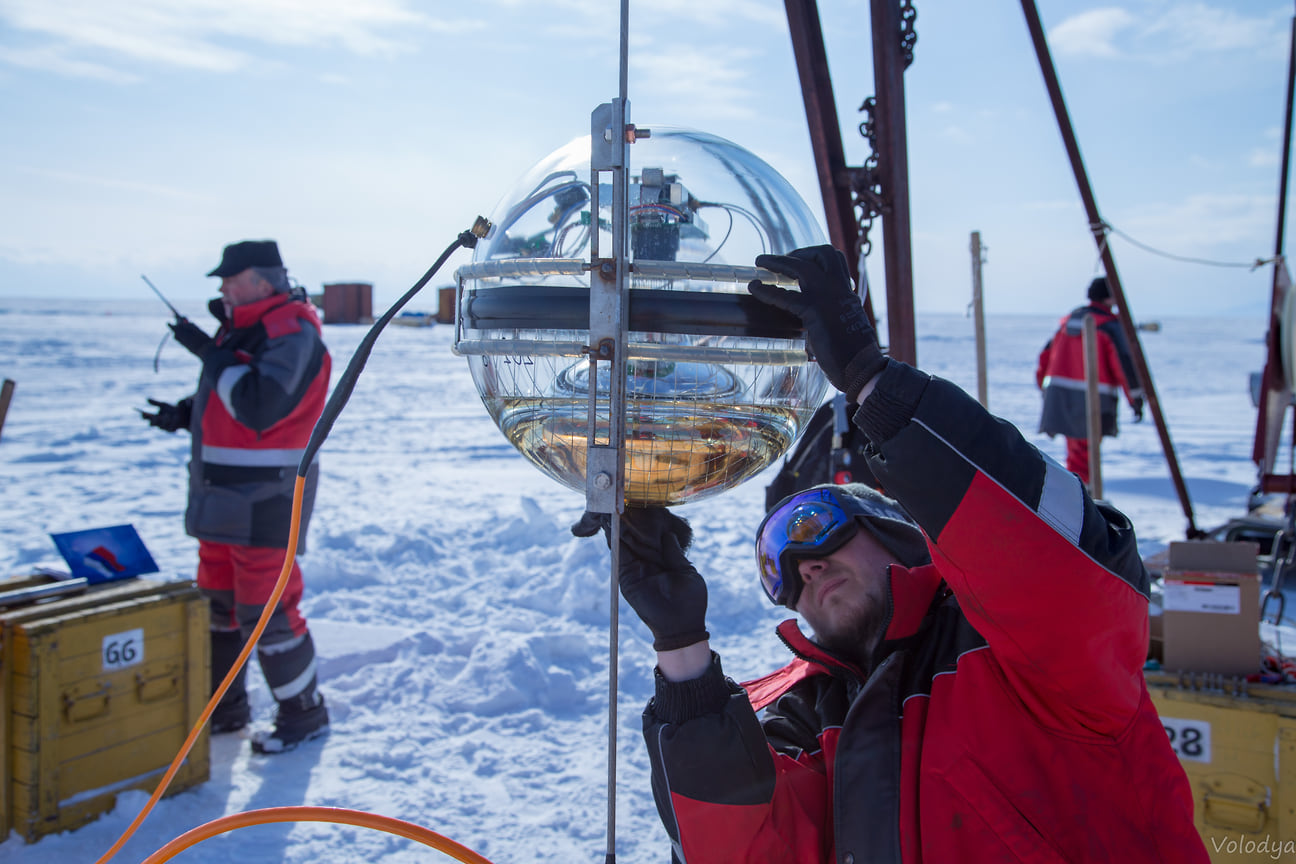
column 892, row 403
column 860, row 370
column 678, row 701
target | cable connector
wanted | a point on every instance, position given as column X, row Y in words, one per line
column 480, row 228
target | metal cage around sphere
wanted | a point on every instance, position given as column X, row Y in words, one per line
column 717, row 383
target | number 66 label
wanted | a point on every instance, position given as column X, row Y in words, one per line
column 121, row 650
column 1190, row 739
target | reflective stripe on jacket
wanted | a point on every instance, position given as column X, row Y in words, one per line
column 262, row 388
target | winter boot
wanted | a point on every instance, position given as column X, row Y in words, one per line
column 233, row 712
column 289, row 669
column 298, row 719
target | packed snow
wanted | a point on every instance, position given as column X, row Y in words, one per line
column 462, row 630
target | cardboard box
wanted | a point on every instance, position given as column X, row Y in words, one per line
column 1210, row 608
column 97, row 693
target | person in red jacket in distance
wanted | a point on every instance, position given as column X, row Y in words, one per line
column 1060, row 375
column 973, row 688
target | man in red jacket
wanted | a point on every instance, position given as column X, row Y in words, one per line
column 1060, row 374
column 973, row 691
column 264, row 379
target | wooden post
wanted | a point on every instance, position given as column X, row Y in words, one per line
column 978, row 317
column 6, row 396
column 1093, row 408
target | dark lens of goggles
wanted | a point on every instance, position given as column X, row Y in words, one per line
column 806, row 523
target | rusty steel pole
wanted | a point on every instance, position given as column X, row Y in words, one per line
column 1098, row 227
column 825, row 134
column 1275, row 394
column 893, row 169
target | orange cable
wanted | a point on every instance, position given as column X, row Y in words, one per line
column 271, row 603
column 287, row 814
column 338, row 815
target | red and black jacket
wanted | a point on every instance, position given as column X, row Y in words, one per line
column 1060, row 373
column 262, row 388
column 1004, row 717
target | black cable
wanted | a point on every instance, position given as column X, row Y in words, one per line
column 467, row 239
column 1253, row 265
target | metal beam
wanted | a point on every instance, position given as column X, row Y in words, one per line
column 825, row 133
column 893, row 170
column 1099, row 229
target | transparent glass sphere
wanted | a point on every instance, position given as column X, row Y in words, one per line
column 717, row 384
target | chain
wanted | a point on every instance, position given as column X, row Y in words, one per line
column 908, row 35
column 866, row 185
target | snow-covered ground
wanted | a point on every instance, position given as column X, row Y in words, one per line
column 463, row 631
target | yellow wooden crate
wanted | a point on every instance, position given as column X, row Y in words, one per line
column 1237, row 743
column 99, row 692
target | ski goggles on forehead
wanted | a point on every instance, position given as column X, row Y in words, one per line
column 811, row 524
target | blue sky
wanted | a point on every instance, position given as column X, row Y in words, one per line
column 140, row 136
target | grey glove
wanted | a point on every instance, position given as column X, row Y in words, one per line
column 838, row 333
column 655, row 577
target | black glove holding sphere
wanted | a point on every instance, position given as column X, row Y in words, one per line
column 838, row 333
column 655, row 577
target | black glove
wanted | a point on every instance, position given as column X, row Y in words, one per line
column 1137, row 405
column 191, row 336
column 838, row 333
column 656, row 579
column 170, row 417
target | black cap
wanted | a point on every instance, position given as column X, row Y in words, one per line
column 238, row 257
column 1098, row 290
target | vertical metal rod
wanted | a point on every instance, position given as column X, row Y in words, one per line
column 1099, row 230
column 1093, row 407
column 1287, row 137
column 6, row 395
column 978, row 318
column 622, row 90
column 616, row 424
column 893, row 166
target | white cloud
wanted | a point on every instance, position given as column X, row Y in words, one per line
column 1176, row 32
column 1202, row 225
column 1195, row 28
column 205, row 34
column 957, row 134
column 77, row 179
column 1091, row 33
column 51, row 59
column 713, row 12
column 1263, row 158
column 713, row 81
